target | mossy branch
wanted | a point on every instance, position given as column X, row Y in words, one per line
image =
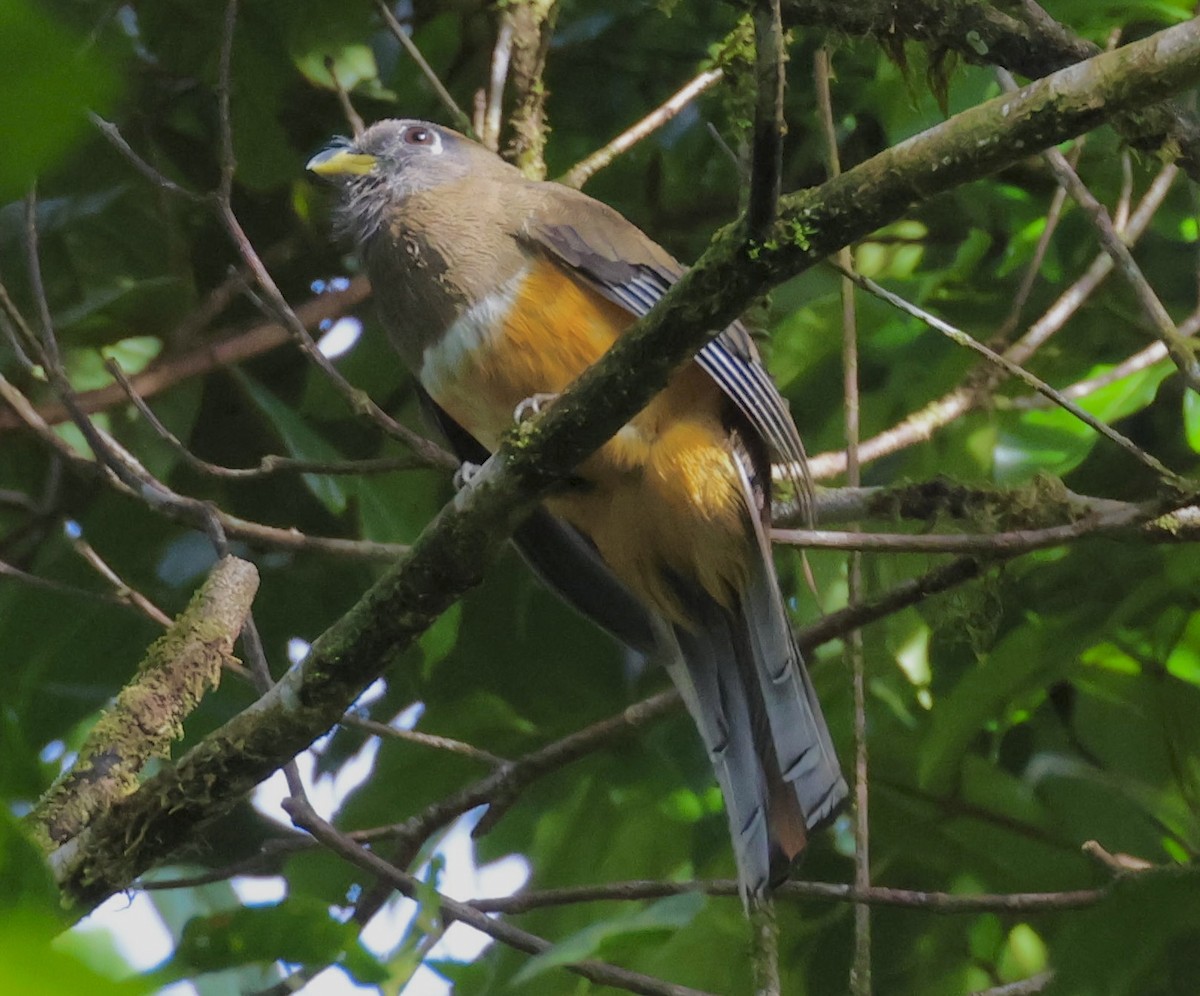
column 177, row 672
column 1023, row 39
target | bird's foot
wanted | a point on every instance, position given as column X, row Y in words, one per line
column 531, row 406
column 465, row 473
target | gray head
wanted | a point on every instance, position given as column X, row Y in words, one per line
column 389, row 163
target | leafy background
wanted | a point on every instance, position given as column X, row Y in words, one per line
column 1052, row 703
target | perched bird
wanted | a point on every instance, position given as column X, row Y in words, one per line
column 496, row 289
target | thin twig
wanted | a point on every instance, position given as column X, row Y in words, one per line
column 269, row 465
column 209, row 356
column 19, row 499
column 595, row 971
column 461, row 120
column 353, row 118
column 357, row 399
column 920, row 425
column 121, row 590
column 163, row 182
column 494, row 106
column 12, row 573
column 502, row 787
column 1141, row 360
column 47, row 351
column 1181, row 353
column 1039, row 385
column 9, row 328
column 762, row 206
column 585, row 169
column 903, row 595
column 1001, row 337
column 860, row 968
column 1011, row 541
column 227, row 158
column 426, row 740
column 136, row 482
column 935, row 902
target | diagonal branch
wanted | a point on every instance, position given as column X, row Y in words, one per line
column 451, row 910
column 1034, row 46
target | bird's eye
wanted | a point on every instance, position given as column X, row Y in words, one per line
column 417, row 135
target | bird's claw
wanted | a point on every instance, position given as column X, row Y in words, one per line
column 465, row 473
column 531, row 406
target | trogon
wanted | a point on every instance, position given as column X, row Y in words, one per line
column 496, row 289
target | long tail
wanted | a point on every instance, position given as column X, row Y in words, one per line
column 743, row 680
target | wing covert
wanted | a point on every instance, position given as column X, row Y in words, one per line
column 627, row 268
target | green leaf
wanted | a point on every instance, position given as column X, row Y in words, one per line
column 301, row 442
column 670, row 914
column 1050, row 442
column 979, row 697
column 32, row 964
column 352, row 64
column 50, row 78
column 1191, row 418
column 297, row 930
column 1142, row 939
column 24, row 877
column 1127, row 395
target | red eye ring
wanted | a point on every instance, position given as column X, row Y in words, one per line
column 418, row 135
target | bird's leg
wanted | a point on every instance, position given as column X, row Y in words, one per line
column 531, row 406
column 463, row 476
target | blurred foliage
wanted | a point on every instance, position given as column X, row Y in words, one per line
column 1053, row 703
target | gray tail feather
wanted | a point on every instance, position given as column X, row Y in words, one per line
column 715, row 695
column 743, row 680
column 800, row 740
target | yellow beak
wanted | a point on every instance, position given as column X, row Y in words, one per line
column 339, row 162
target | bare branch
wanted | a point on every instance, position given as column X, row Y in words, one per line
column 499, row 930
column 353, row 118
column 425, row 740
column 910, row 592
column 860, row 968
column 457, row 114
column 12, row 573
column 202, row 359
column 986, row 34
column 766, row 163
column 935, row 902
column 121, row 591
column 920, row 425
column 494, row 107
column 1182, row 354
column 226, row 155
column 1014, row 541
column 1013, row 369
column 164, row 183
column 500, row 789
column 582, row 171
column 268, row 465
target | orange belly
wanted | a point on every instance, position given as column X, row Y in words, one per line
column 664, row 494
